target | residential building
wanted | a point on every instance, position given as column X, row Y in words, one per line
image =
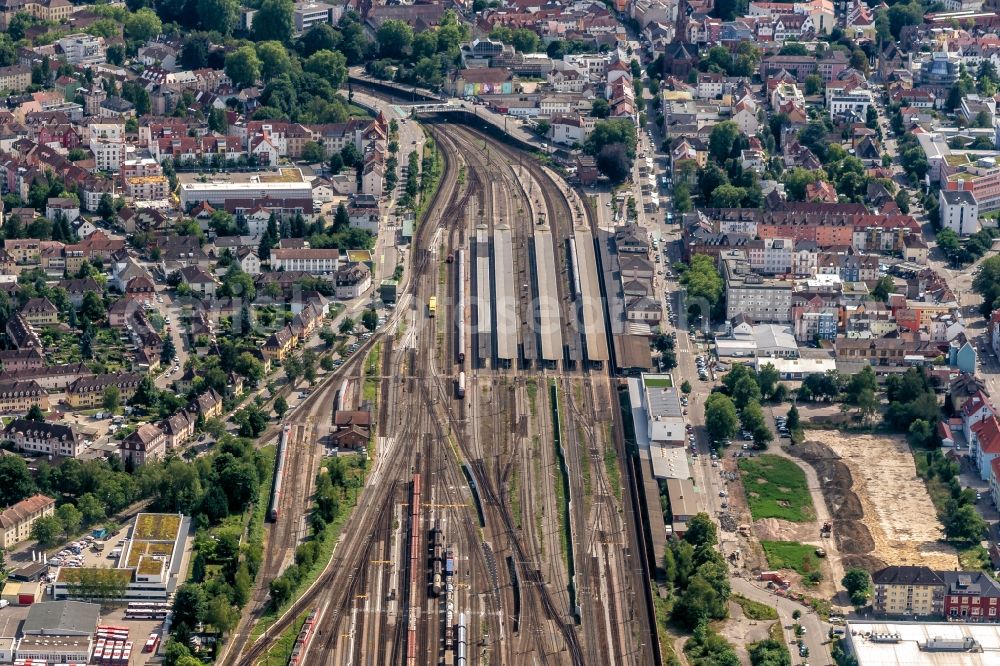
column 15, row 78
column 178, row 429
column 761, row 299
column 88, row 392
column 971, row 596
column 908, row 591
column 42, row 437
column 312, row 261
column 147, row 443
column 16, row 521
column 770, row 256
column 40, row 312
column 18, row 396
column 82, row 49
column 352, row 280
column 959, row 211
column 199, row 280
column 853, row 104
column 984, row 446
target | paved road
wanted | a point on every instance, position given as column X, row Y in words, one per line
column 816, row 631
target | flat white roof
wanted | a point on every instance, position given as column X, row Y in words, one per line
column 735, row 347
column 799, row 365
column 227, row 186
column 669, row 461
column 904, row 648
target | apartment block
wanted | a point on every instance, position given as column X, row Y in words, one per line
column 763, row 300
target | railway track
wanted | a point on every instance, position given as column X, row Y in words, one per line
column 599, row 533
column 284, row 535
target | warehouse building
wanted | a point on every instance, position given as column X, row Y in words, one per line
column 923, row 643
column 59, row 632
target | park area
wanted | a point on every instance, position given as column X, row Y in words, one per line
column 776, row 488
column 882, row 513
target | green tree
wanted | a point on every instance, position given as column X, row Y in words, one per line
column 243, row 66
column 189, row 605
column 274, row 59
column 218, row 15
column 728, row 196
column 525, row 40
column 793, row 419
column 273, row 21
column 112, row 398
column 767, row 378
column 721, row 141
column 35, row 414
column 965, row 524
column 721, row 419
column 369, row 319
column 47, row 530
column 394, row 39
column 330, row 65
column 313, row 152
column 280, row 406
column 753, row 421
column 142, row 25
column 813, row 84
column 858, row 584
column 613, row 162
column 221, row 614
column 600, row 108
column 15, row 480
column 701, row 531
column 70, row 517
column 903, row 201
column 797, row 179
column 746, row 391
column 702, row 279
column 168, row 353
column 346, row 326
column 91, row 508
column 885, row 286
column 686, row 387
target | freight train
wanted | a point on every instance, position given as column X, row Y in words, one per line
column 416, row 569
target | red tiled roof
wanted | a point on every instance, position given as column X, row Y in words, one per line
column 987, row 432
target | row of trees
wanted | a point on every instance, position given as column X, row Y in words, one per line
column 704, row 284
column 962, row 522
column 225, row 483
column 975, row 246
column 337, row 485
column 740, row 405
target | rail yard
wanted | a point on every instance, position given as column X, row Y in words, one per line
column 494, row 526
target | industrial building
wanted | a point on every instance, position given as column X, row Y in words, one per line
column 923, row 643
column 59, row 632
column 218, row 193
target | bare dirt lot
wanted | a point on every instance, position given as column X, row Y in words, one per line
column 882, row 512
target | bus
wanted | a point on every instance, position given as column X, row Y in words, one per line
column 432, row 306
